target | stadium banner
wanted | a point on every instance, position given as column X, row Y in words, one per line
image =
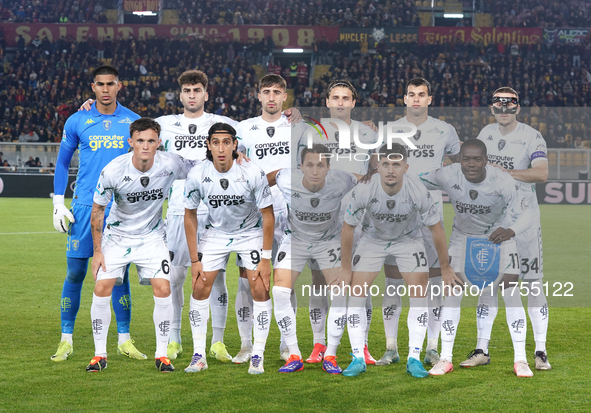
column 392, row 35
column 16, row 185
column 564, row 192
column 141, row 5
column 564, row 36
column 509, row 35
column 283, row 36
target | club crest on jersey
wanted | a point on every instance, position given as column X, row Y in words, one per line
column 417, row 135
column 144, row 180
column 390, row 204
column 314, row 202
column 224, row 183
column 502, row 143
column 107, row 124
column 271, row 131
column 336, row 136
column 473, row 194
column 192, row 129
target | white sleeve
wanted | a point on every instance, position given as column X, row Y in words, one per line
column 262, row 192
column 433, row 180
column 537, row 148
column 356, row 207
column 283, row 182
column 192, row 190
column 428, row 210
column 516, row 206
column 104, row 189
column 452, row 145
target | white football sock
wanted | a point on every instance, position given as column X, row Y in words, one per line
column 337, row 321
column 285, row 318
column 67, row 337
column 516, row 321
column 450, row 318
column 219, row 307
column 391, row 309
column 162, row 320
column 418, row 318
column 369, row 316
column 434, row 303
column 318, row 306
column 537, row 308
column 357, row 322
column 178, row 275
column 243, row 308
column 198, row 317
column 100, row 314
column 486, row 312
column 262, row 320
column 123, row 337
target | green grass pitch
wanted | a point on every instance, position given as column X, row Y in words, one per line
column 32, row 270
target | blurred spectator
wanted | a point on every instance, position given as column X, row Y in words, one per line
column 68, row 11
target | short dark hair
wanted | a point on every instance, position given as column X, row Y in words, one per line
column 193, row 77
column 105, row 70
column 506, row 89
column 396, row 149
column 220, row 127
column 416, row 82
column 342, row 83
column 316, row 148
column 143, row 124
column 475, row 143
column 272, row 80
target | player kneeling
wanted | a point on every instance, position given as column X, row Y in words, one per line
column 488, row 208
column 138, row 182
column 241, row 220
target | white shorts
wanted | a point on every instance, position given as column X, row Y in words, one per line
column 149, row 254
column 432, row 257
column 529, row 246
column 215, row 249
column 279, row 232
column 293, row 254
column 508, row 263
column 177, row 241
column 371, row 254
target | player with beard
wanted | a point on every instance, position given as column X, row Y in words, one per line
column 395, row 206
column 521, row 151
column 434, row 140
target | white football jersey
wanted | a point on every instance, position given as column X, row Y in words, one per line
column 479, row 208
column 187, row 138
column 434, row 140
column 353, row 160
column 314, row 216
column 138, row 196
column 392, row 218
column 517, row 150
column 268, row 145
column 233, row 198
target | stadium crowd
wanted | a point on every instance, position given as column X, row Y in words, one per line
column 346, row 13
column 538, row 13
column 63, row 11
column 46, row 82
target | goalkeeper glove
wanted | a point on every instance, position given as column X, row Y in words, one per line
column 60, row 213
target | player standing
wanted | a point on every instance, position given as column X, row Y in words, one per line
column 396, row 206
column 241, row 220
column 100, row 135
column 313, row 194
column 186, row 135
column 489, row 206
column 138, row 183
column 341, row 99
column 434, row 140
column 521, row 151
